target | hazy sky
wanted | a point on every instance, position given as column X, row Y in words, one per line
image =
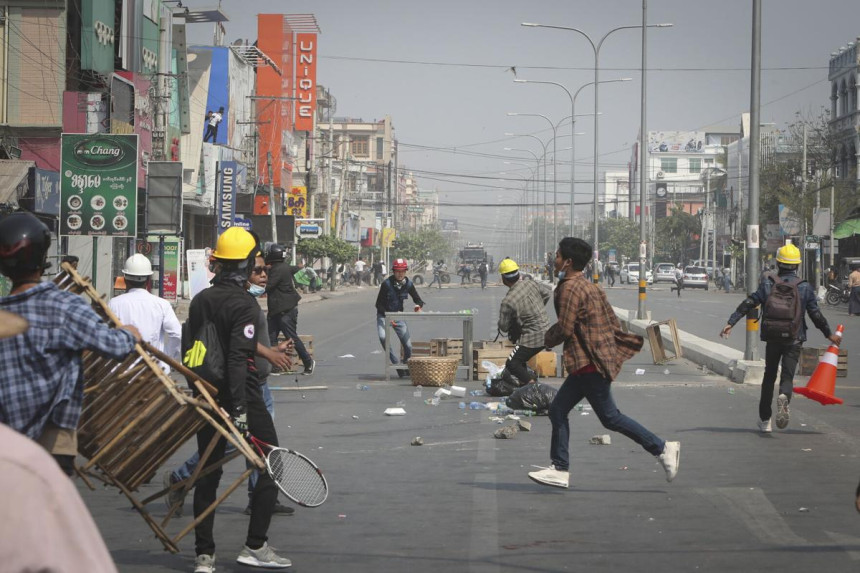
column 439, row 70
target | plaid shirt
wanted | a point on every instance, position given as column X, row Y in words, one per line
column 589, row 328
column 40, row 370
column 523, row 313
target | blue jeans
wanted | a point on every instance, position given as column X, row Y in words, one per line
column 287, row 322
column 184, row 471
column 402, row 332
column 597, row 390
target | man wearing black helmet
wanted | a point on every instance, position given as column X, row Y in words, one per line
column 284, row 304
column 41, row 369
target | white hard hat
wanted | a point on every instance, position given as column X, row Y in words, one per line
column 137, row 266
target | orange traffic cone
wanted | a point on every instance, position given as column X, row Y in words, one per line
column 822, row 383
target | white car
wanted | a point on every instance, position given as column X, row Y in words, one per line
column 664, row 272
column 630, row 274
column 695, row 277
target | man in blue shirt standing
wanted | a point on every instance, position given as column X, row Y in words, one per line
column 43, row 387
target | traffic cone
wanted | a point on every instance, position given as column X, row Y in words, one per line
column 822, row 383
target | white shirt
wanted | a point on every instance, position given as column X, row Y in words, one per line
column 214, row 118
column 153, row 317
column 359, row 266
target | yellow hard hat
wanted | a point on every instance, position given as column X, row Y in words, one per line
column 788, row 255
column 507, row 266
column 234, row 244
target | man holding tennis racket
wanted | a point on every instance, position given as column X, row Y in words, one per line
column 235, row 313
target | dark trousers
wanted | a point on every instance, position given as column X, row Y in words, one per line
column 516, row 363
column 261, row 426
column 288, row 322
column 211, row 131
column 610, row 279
column 598, row 391
column 774, row 354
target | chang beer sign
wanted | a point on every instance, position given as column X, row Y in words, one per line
column 98, row 185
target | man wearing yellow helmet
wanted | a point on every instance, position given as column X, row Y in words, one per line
column 234, row 312
column 523, row 317
column 784, row 298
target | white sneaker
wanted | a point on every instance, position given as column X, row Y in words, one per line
column 764, row 426
column 551, row 476
column 204, row 564
column 671, row 459
column 264, row 557
column 782, row 414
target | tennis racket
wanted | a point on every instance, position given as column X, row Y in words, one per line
column 297, row 476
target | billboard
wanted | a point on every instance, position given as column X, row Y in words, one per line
column 98, row 185
column 448, row 224
column 297, row 202
column 676, row 141
column 46, row 191
column 225, row 198
column 306, row 81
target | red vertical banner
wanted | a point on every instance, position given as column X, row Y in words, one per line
column 306, row 81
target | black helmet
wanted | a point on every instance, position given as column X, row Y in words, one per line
column 24, row 242
column 275, row 254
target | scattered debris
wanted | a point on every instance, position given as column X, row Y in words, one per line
column 667, row 372
column 640, row 372
column 376, row 352
column 459, row 391
column 394, row 412
column 442, row 393
column 805, row 449
column 583, row 414
column 731, row 390
column 417, row 441
column 347, row 356
column 524, row 426
column 602, row 440
column 505, row 433
column 803, row 510
column 355, row 417
column 362, row 387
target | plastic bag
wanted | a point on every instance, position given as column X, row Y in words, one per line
column 504, row 383
column 536, row 397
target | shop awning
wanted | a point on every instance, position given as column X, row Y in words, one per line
column 847, row 228
column 13, row 179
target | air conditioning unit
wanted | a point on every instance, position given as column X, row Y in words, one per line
column 659, row 175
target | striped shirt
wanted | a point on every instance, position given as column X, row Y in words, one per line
column 40, row 370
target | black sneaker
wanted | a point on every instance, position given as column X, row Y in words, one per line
column 281, row 509
column 309, row 368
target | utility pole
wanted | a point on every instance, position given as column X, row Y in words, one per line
column 272, row 197
column 641, row 312
column 342, row 196
column 753, row 234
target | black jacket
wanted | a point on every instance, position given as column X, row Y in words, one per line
column 281, row 289
column 391, row 296
column 235, row 314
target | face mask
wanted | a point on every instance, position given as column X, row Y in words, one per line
column 560, row 275
column 256, row 290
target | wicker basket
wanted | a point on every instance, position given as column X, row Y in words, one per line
column 433, row 370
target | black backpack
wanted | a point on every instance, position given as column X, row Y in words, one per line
column 203, row 353
column 783, row 311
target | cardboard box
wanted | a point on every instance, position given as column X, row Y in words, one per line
column 545, row 363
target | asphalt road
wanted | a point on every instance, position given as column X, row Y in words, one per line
column 462, row 502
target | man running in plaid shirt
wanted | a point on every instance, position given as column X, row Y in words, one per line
column 594, row 350
column 42, row 387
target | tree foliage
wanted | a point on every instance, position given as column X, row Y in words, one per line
column 676, row 235
column 338, row 250
column 619, row 234
column 426, row 244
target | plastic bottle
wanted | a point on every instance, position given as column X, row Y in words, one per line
column 579, row 407
column 417, row 392
column 477, row 406
column 434, row 401
column 362, row 387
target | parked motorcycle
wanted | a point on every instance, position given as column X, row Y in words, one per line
column 836, row 295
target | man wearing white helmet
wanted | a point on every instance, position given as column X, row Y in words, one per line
column 153, row 316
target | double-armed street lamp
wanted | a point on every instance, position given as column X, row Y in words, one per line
column 537, row 167
column 595, row 46
column 573, row 116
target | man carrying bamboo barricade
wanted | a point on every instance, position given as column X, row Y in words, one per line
column 43, row 387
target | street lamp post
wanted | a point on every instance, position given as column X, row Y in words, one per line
column 573, row 117
column 544, row 146
column 596, row 48
column 537, row 166
column 525, row 218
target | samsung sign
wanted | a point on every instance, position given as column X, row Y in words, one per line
column 225, row 203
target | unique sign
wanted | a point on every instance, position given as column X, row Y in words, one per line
column 306, row 81
column 98, row 185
